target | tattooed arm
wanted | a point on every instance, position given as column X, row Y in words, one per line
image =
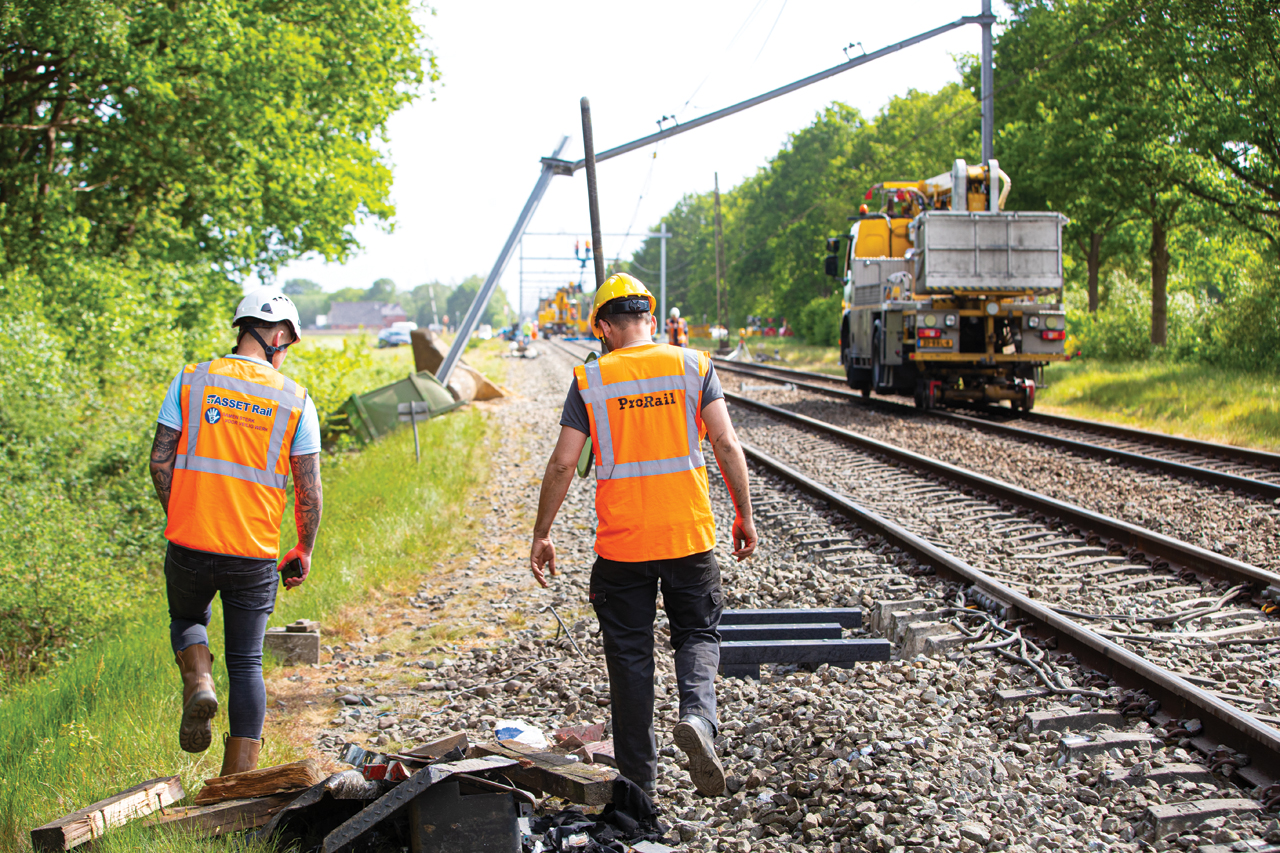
column 164, row 450
column 308, row 498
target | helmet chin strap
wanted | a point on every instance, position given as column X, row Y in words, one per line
column 269, row 350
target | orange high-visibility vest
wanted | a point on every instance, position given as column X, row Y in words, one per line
column 644, row 404
column 228, row 493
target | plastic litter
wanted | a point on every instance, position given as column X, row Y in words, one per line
column 521, row 731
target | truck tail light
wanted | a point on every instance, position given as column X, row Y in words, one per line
column 928, row 333
column 1054, row 335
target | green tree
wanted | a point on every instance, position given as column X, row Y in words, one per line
column 776, row 220
column 236, row 133
column 300, row 286
column 382, row 290
column 497, row 313
column 348, row 294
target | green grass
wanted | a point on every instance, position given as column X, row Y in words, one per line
column 1184, row 399
column 107, row 719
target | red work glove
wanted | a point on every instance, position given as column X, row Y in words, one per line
column 304, row 557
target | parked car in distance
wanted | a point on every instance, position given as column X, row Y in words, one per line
column 396, row 334
column 485, row 332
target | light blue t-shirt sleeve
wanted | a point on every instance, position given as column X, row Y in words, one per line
column 306, row 439
column 170, row 410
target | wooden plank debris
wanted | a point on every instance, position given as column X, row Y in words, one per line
column 589, row 784
column 438, row 747
column 221, row 818
column 261, row 783
column 92, row 821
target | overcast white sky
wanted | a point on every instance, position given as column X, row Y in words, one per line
column 466, row 161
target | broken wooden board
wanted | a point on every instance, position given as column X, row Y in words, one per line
column 92, row 821
column 589, row 784
column 438, row 747
column 400, row 796
column 221, row 818
column 261, row 783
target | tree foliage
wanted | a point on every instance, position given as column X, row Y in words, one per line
column 230, row 133
column 154, row 155
column 776, row 220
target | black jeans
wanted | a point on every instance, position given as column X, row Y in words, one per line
column 625, row 599
column 248, row 589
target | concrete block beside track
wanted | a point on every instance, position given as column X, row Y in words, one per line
column 1080, row 721
column 1178, row 817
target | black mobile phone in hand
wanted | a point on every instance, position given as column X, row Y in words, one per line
column 292, row 569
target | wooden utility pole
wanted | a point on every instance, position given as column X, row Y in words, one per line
column 719, row 254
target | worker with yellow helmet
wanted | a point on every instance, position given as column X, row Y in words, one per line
column 645, row 407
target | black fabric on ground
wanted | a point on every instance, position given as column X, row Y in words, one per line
column 630, row 818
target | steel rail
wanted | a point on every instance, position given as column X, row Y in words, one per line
column 1186, row 555
column 1178, row 697
column 1183, row 469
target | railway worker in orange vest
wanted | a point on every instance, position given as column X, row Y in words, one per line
column 228, row 434
column 677, row 329
column 645, row 407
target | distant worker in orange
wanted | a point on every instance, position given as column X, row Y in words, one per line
column 677, row 329
column 228, row 434
column 645, row 407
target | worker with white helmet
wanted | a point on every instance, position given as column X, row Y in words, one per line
column 677, row 329
column 646, row 407
column 228, row 434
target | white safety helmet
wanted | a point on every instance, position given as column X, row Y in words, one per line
column 270, row 304
column 675, row 313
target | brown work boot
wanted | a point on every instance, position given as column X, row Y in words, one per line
column 693, row 735
column 199, row 701
column 239, row 754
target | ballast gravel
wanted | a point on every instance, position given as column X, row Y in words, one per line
column 905, row 756
column 1242, row 527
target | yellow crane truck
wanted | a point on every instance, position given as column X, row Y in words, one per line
column 566, row 311
column 948, row 297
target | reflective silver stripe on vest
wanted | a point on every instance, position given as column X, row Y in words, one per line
column 288, row 395
column 597, row 395
column 207, row 465
column 285, row 398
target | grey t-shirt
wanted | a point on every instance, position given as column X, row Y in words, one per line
column 575, row 409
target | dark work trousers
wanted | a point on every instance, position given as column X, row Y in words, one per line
column 625, row 599
column 248, row 589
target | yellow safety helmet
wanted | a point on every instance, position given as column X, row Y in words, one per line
column 616, row 286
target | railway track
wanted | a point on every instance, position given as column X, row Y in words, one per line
column 1120, row 599
column 1253, row 472
column 1172, row 621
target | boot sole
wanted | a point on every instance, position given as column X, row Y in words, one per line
column 704, row 767
column 195, row 733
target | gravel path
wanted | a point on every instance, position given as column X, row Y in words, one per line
column 898, row 757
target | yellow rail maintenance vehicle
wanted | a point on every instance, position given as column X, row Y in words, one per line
column 948, row 297
column 566, row 311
